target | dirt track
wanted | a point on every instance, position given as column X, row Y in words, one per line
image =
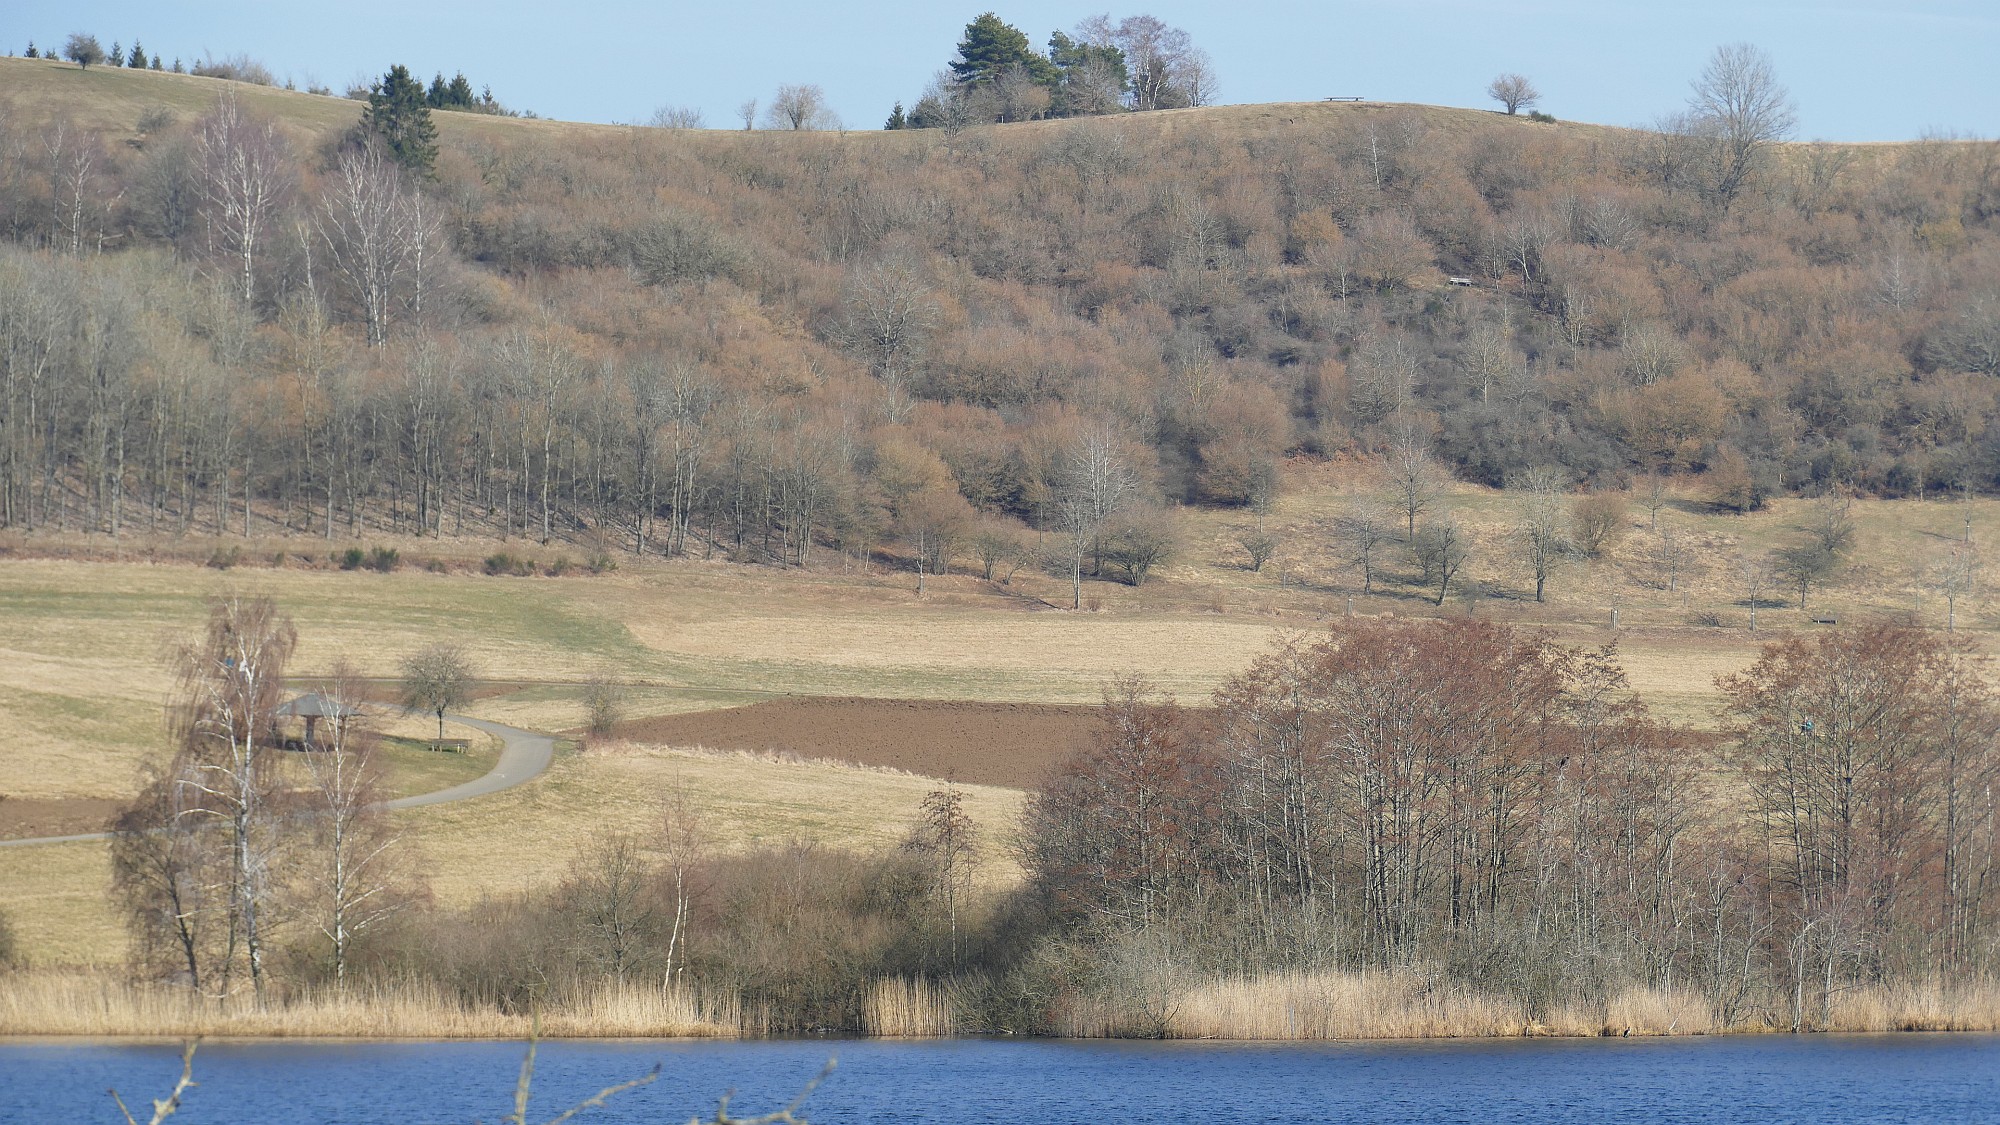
column 981, row 743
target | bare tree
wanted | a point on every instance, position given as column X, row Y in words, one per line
column 683, row 844
column 747, row 113
column 1671, row 555
column 1513, row 92
column 354, row 841
column 1441, row 549
column 1140, row 540
column 1830, row 521
column 1544, row 546
column 933, row 520
column 891, row 312
column 169, row 869
column 1804, row 566
column 1198, row 80
column 1359, row 536
column 246, row 177
column 1955, row 575
column 612, row 902
column 436, row 679
column 1156, row 58
column 677, row 117
column 1756, row 576
column 1654, row 493
column 1740, row 108
column 77, row 191
column 947, row 838
column 364, row 220
column 1094, row 483
column 230, row 679
column 1260, row 545
column 1416, row 483
column 800, row 107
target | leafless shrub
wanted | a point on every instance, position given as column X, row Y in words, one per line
column 236, row 68
column 604, row 703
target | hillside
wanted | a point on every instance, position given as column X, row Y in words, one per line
column 770, row 344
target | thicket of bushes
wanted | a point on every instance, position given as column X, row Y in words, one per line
column 774, row 344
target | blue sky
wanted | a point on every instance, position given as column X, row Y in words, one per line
column 1859, row 71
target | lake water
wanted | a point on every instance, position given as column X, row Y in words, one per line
column 1767, row 1080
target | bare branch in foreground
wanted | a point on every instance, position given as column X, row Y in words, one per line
column 164, row 1108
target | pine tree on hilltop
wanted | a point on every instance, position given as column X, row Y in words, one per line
column 436, row 95
column 398, row 117
column 897, row 118
column 137, row 60
column 990, row 46
column 32, row 53
column 459, row 94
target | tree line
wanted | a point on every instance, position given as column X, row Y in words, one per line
column 773, row 346
column 1472, row 796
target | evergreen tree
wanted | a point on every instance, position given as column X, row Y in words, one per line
column 32, row 53
column 991, row 46
column 178, row 69
column 398, row 117
column 137, row 60
column 436, row 95
column 156, row 62
column 459, row 93
column 897, row 120
column 117, row 55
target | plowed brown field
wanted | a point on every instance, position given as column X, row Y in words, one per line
column 1012, row 744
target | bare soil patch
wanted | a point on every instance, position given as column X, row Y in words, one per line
column 1010, row 744
column 23, row 818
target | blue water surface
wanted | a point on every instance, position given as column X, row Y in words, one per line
column 1767, row 1080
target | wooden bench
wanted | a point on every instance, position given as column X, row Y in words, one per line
column 451, row 745
column 1346, row 99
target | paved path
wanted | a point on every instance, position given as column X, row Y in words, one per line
column 523, row 756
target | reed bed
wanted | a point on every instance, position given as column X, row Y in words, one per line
column 1361, row 1005
column 1658, row 1011
column 904, row 1008
column 93, row 1005
column 1278, row 1006
column 1925, row 1007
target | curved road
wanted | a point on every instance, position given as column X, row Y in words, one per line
column 523, row 756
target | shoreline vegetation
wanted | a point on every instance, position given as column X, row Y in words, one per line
column 1404, row 829
column 1277, row 1007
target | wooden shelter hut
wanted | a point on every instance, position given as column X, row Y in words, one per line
column 311, row 708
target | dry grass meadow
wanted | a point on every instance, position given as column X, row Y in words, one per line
column 82, row 688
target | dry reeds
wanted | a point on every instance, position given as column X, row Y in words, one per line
column 902, row 1008
column 1915, row 1007
column 97, row 1005
column 1658, row 1011
column 1327, row 1005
